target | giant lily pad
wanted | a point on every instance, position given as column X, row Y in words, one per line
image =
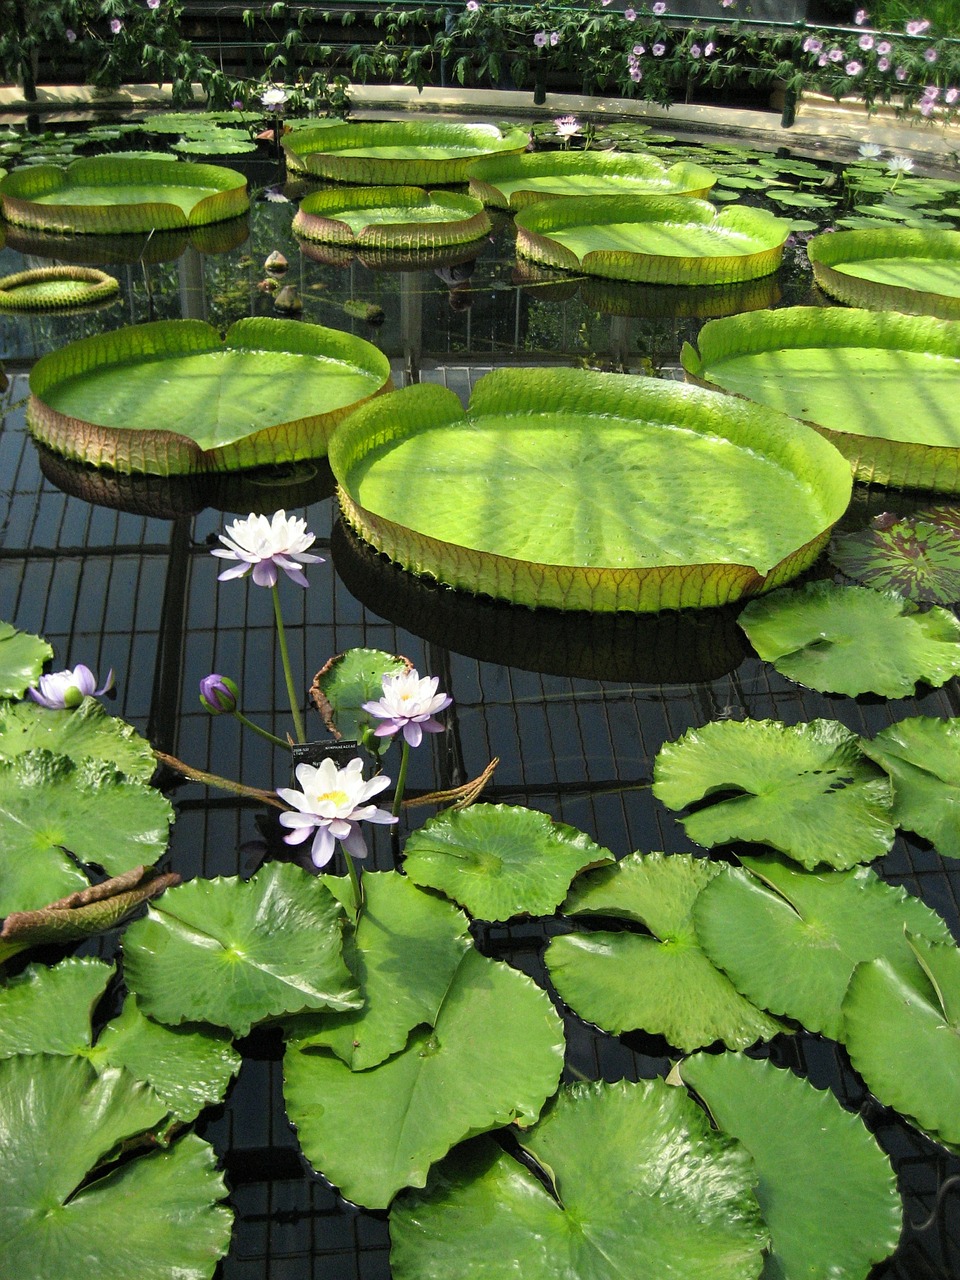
column 915, row 558
column 903, row 1035
column 49, row 288
column 629, row 1172
column 826, row 1190
column 656, row 239
column 513, row 182
column 48, row 804
column 22, row 659
column 113, row 195
column 500, row 860
column 882, row 387
column 234, row 952
column 662, row 984
column 922, row 756
column 406, row 218
column 84, row 733
column 493, row 1058
column 791, row 944
column 900, row 269
column 852, row 640
column 172, row 397
column 804, row 789
column 417, row 152
column 59, row 1215
column 642, row 490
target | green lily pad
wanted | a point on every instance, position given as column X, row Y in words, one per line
column 233, row 952
column 674, row 240
column 405, row 218
column 801, row 1139
column 22, row 659
column 922, row 757
column 346, row 682
column 790, row 944
column 48, row 1009
column 799, row 199
column 47, row 804
column 500, row 860
column 634, row 1172
column 804, row 789
column 852, row 640
column 112, row 194
column 905, row 270
column 218, row 142
column 513, row 182
column 915, row 559
column 493, row 1058
column 47, row 288
column 61, row 1121
column 903, row 1035
column 172, row 397
column 881, row 386
column 85, row 733
column 405, row 949
column 662, row 984
column 388, row 153
column 617, row 524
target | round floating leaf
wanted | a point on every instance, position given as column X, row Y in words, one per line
column 637, row 1174
column 922, row 756
column 791, row 944
column 915, row 559
column 492, row 1059
column 500, row 860
column 852, row 640
column 152, row 1217
column 624, row 981
column 233, row 952
column 404, row 952
column 391, row 218
column 86, row 732
column 47, row 804
column 22, row 658
column 48, row 1010
column 800, row 199
column 346, row 682
column 903, row 1035
column 804, row 789
column 826, row 1190
column 218, row 142
column 187, row 1067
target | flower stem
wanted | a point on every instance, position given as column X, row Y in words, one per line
column 354, row 880
column 285, row 659
column 401, row 779
column 264, row 733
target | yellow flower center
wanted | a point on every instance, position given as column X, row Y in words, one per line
column 335, row 797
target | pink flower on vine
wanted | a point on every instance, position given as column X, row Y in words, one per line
column 116, row 26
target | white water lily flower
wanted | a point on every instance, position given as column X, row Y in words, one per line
column 274, row 99
column 899, row 164
column 566, row 126
column 64, row 690
column 869, row 151
column 266, row 546
column 331, row 805
column 408, row 704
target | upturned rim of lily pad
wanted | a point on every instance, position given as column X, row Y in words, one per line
column 320, row 217
column 56, row 288
column 831, row 254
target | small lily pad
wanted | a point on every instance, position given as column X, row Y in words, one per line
column 852, row 640
column 346, row 682
column 804, row 789
column 48, row 1009
column 22, row 658
column 500, row 860
column 917, row 560
column 922, row 756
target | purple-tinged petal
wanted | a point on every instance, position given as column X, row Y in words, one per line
column 265, row 573
column 388, row 727
column 323, row 846
column 354, row 843
column 235, row 571
column 413, row 733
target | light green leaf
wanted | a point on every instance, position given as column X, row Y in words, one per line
column 826, row 1190
column 791, row 944
column 22, row 657
column 664, row 984
column 60, row 1121
column 641, row 1180
column 500, row 860
column 86, row 732
column 48, row 1010
column 853, row 640
column 804, row 789
column 403, row 953
column 233, row 952
column 922, row 756
column 492, row 1059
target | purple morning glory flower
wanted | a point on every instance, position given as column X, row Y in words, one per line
column 116, row 26
column 266, row 545
column 331, row 806
column 408, row 704
column 64, row 690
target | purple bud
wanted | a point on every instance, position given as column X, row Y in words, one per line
column 218, row 694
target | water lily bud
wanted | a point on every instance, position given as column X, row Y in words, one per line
column 218, row 694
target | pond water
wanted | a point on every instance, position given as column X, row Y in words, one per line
column 117, row 573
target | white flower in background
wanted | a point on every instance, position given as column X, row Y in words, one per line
column 274, row 99
column 331, row 805
column 899, row 164
column 266, row 546
column 566, row 126
column 408, row 704
column 869, row 151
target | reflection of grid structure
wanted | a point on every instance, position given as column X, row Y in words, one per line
column 141, row 594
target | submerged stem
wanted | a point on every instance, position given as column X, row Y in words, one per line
column 285, row 659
